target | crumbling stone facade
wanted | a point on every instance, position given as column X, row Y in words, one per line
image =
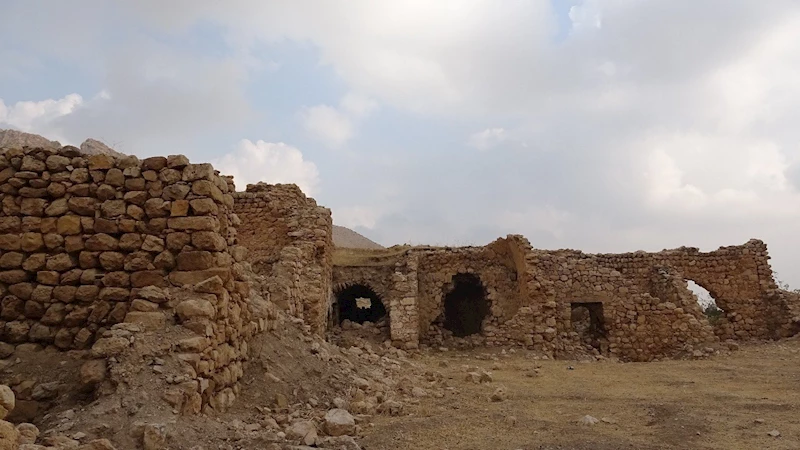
column 94, row 248
column 639, row 302
column 289, row 239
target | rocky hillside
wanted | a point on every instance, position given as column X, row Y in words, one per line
column 18, row 139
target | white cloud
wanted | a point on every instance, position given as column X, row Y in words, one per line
column 547, row 218
column 488, row 138
column 336, row 126
column 356, row 216
column 269, row 162
column 358, row 106
column 36, row 116
column 328, row 124
column 586, row 16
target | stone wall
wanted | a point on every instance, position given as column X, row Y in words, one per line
column 738, row 277
column 396, row 287
column 289, row 239
column 94, row 247
column 641, row 299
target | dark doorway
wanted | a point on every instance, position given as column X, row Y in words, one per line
column 465, row 306
column 359, row 303
column 587, row 320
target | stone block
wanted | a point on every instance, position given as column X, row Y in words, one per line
column 146, row 278
column 149, row 321
column 195, row 308
column 195, row 260
column 182, row 278
column 201, row 223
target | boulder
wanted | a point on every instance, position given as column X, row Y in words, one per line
column 339, row 422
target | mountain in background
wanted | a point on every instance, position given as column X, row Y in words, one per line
column 347, row 238
column 18, row 139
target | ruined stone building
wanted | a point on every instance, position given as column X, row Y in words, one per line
column 93, row 248
column 635, row 305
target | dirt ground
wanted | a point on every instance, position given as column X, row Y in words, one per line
column 725, row 402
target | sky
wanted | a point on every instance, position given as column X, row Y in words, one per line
column 600, row 125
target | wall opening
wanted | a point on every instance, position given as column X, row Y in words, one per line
column 588, row 322
column 706, row 301
column 465, row 306
column 359, row 303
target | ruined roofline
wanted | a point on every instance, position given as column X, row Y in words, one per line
column 426, row 249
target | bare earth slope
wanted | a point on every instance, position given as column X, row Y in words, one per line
column 347, row 238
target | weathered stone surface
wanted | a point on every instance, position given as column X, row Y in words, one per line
column 7, row 401
column 182, row 278
column 195, row 260
column 339, row 422
column 147, row 320
column 111, row 346
column 195, row 308
column 102, row 242
column 145, row 278
column 69, row 225
column 207, row 223
column 9, row 436
column 302, row 432
column 84, row 206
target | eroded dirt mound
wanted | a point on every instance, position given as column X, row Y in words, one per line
column 291, row 384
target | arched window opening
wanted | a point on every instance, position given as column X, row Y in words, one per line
column 359, row 303
column 706, row 301
column 465, row 306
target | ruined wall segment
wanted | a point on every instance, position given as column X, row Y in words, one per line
column 738, row 277
column 92, row 247
column 289, row 238
column 640, row 300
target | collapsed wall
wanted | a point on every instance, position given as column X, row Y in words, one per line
column 289, row 239
column 635, row 306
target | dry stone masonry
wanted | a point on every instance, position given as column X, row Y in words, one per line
column 92, row 248
column 103, row 253
column 290, row 241
column 635, row 306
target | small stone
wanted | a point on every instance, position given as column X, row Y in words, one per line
column 154, row 437
column 339, row 422
column 7, row 401
column 93, row 372
column 303, row 432
column 588, row 420
column 774, row 433
column 28, row 433
column 499, row 395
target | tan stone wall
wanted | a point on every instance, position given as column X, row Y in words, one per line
column 647, row 310
column 738, row 277
column 81, row 235
column 396, row 285
column 289, row 239
column 495, row 271
column 90, row 242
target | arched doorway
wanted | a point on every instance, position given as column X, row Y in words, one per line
column 465, row 306
column 358, row 303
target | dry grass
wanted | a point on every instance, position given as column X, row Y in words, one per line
column 367, row 257
column 728, row 402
